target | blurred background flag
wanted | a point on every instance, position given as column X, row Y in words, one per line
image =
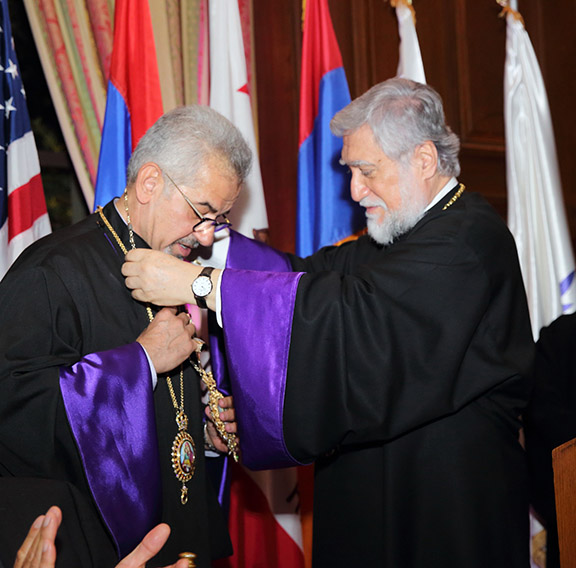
column 23, row 215
column 134, row 98
column 264, row 521
column 230, row 96
column 410, row 65
column 536, row 213
column 326, row 213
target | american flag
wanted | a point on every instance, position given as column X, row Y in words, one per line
column 23, row 215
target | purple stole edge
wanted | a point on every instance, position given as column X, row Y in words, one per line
column 109, row 404
column 258, row 297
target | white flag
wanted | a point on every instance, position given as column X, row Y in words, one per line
column 229, row 95
column 536, row 214
column 410, row 64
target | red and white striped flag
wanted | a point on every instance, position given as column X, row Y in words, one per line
column 23, row 215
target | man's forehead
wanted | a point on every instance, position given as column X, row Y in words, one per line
column 216, row 190
column 361, row 149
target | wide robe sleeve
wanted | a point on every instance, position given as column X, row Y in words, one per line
column 68, row 414
column 246, row 254
column 378, row 341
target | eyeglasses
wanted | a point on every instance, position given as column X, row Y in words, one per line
column 205, row 223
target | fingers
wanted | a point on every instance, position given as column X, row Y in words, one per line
column 226, row 402
column 137, row 254
column 30, row 544
column 188, row 323
column 228, row 413
column 50, row 529
column 131, row 267
column 168, row 340
column 151, row 544
column 227, row 416
column 165, row 314
column 183, row 563
column 38, row 550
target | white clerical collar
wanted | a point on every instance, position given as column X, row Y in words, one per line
column 452, row 182
column 116, row 201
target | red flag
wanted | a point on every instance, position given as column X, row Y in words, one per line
column 134, row 98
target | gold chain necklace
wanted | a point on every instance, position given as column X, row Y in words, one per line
column 214, row 395
column 183, row 447
column 455, row 197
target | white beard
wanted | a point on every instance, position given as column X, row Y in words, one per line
column 398, row 222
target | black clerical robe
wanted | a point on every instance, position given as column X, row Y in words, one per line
column 77, row 400
column 551, row 419
column 401, row 371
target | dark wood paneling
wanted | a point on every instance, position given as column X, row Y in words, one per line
column 367, row 34
column 277, row 41
column 480, row 41
column 557, row 53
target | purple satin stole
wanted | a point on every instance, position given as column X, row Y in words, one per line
column 248, row 254
column 258, row 295
column 109, row 403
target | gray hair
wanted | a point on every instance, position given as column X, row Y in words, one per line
column 402, row 114
column 181, row 141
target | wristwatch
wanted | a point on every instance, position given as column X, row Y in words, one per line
column 202, row 286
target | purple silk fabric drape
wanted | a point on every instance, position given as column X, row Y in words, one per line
column 248, row 254
column 257, row 309
column 109, row 403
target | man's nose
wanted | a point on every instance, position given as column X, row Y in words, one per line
column 358, row 189
column 205, row 237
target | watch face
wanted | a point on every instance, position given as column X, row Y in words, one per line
column 202, row 286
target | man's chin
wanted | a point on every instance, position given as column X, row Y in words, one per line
column 393, row 226
column 379, row 232
column 180, row 251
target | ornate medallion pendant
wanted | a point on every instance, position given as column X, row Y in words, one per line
column 183, row 456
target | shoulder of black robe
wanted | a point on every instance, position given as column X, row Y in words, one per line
column 407, row 375
column 415, row 306
column 64, row 298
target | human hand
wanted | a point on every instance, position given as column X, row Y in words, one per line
column 159, row 278
column 151, row 544
column 168, row 339
column 228, row 416
column 38, row 549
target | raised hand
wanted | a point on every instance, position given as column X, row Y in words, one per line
column 159, row 278
column 39, row 551
column 168, row 339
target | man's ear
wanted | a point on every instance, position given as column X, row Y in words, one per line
column 426, row 159
column 149, row 182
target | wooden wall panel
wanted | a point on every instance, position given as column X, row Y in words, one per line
column 367, row 33
column 277, row 43
column 463, row 48
column 557, row 54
